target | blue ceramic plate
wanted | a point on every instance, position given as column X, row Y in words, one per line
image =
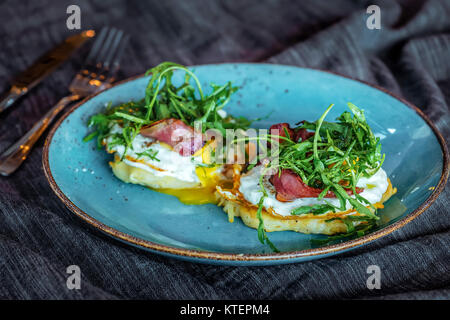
column 416, row 162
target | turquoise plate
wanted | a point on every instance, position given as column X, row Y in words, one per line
column 416, row 162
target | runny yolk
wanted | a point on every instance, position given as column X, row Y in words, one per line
column 209, row 178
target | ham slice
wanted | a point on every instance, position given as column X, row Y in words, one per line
column 297, row 135
column 289, row 186
column 175, row 133
column 280, row 129
column 302, row 135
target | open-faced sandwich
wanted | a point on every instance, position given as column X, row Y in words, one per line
column 323, row 178
column 160, row 141
column 319, row 177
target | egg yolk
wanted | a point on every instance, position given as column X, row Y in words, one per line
column 209, row 179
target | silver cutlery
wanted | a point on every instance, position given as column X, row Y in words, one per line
column 98, row 73
column 45, row 65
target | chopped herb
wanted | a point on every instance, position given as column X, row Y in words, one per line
column 149, row 153
column 314, row 209
column 262, row 236
column 352, row 231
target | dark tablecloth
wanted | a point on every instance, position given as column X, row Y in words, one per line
column 39, row 237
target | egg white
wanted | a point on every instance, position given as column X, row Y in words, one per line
column 167, row 162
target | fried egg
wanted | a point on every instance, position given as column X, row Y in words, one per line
column 156, row 165
column 242, row 201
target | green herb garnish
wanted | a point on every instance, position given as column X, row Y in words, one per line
column 352, row 231
column 149, row 153
column 163, row 99
column 334, row 159
column 262, row 236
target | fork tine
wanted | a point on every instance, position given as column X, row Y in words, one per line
column 118, row 56
column 96, row 46
column 113, row 67
column 113, row 49
column 106, row 46
column 103, row 60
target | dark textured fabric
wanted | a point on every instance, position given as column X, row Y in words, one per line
column 39, row 237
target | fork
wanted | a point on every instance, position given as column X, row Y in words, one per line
column 98, row 73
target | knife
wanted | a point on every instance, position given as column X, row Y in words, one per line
column 42, row 68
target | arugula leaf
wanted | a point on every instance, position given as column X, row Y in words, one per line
column 314, row 209
column 352, row 232
column 163, row 99
column 149, row 153
column 334, row 159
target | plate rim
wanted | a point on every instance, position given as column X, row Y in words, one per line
column 249, row 257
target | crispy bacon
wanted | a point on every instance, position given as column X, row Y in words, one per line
column 175, row 133
column 289, row 186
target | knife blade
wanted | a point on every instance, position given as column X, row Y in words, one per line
column 45, row 65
